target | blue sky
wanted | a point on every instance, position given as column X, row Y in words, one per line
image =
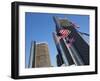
column 39, row 27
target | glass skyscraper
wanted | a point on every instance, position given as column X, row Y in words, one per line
column 74, row 47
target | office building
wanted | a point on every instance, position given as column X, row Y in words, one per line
column 39, row 56
column 74, row 49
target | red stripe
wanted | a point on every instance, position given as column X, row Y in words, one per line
column 64, row 33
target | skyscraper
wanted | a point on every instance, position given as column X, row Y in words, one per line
column 63, row 56
column 74, row 49
column 32, row 55
column 39, row 55
column 42, row 55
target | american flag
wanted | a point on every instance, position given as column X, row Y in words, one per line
column 64, row 33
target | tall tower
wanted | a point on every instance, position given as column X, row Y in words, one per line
column 42, row 58
column 39, row 56
column 74, row 48
column 32, row 55
column 63, row 56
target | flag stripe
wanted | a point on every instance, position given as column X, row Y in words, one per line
column 64, row 33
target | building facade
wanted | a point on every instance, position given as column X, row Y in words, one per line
column 39, row 56
column 73, row 47
column 42, row 55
